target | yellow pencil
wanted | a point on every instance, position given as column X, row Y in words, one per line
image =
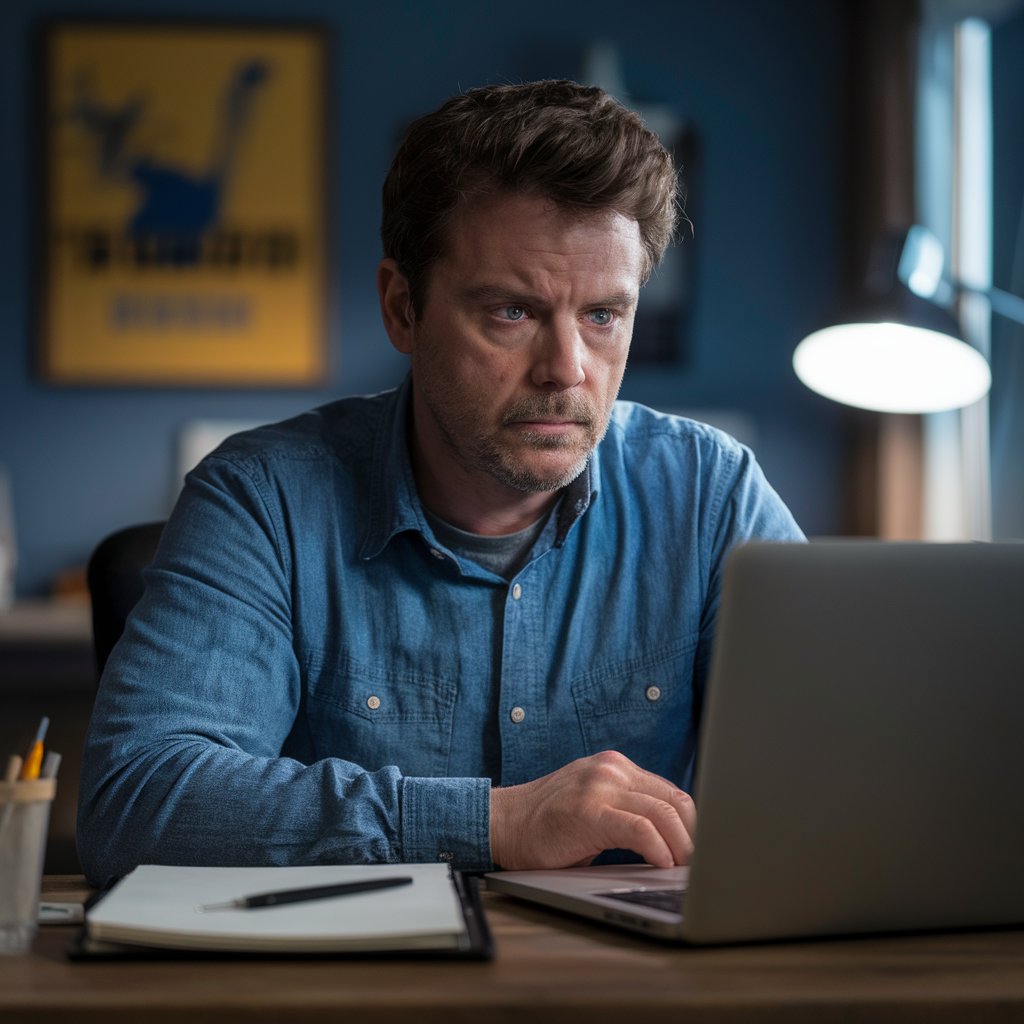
column 34, row 757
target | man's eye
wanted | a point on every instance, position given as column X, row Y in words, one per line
column 513, row 312
column 601, row 317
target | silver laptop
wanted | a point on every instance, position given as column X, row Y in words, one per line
column 861, row 767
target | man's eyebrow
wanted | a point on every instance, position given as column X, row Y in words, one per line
column 625, row 299
column 498, row 293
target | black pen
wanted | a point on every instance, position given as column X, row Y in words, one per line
column 315, row 892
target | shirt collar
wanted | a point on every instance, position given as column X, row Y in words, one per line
column 394, row 504
column 577, row 497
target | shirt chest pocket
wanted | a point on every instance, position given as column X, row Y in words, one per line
column 377, row 718
column 642, row 708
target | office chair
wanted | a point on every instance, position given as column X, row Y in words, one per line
column 114, row 577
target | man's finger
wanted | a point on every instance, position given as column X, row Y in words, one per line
column 683, row 803
column 666, row 820
column 627, row 830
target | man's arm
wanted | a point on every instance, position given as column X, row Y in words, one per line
column 183, row 761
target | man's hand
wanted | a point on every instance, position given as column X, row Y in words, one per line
column 597, row 803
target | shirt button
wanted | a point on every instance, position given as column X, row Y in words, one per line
column 373, row 703
column 437, row 554
column 446, row 855
column 517, row 591
column 517, row 714
column 653, row 693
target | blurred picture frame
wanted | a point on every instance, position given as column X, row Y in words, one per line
column 183, row 204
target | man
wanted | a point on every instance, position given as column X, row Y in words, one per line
column 469, row 619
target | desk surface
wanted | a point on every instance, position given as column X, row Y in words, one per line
column 548, row 968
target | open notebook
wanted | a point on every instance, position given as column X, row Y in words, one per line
column 161, row 908
column 861, row 754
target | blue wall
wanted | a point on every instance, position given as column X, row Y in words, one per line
column 760, row 82
column 1007, row 411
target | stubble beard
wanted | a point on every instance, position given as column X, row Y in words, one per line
column 501, row 460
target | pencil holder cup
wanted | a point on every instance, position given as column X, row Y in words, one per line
column 24, row 820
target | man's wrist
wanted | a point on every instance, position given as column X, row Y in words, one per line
column 503, row 831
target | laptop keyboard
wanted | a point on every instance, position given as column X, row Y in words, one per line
column 669, row 900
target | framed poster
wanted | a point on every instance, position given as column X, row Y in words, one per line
column 183, row 178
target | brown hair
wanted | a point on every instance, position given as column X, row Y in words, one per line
column 572, row 144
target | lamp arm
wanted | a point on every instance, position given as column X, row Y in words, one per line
column 1004, row 303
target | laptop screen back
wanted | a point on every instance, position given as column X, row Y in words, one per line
column 862, row 751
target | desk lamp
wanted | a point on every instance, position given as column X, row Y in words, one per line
column 901, row 350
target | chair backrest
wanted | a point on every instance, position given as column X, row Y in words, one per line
column 114, row 576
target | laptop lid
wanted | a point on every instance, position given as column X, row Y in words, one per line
column 860, row 758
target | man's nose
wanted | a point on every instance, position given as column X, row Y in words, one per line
column 558, row 360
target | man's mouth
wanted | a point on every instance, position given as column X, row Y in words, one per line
column 543, row 421
column 559, row 413
column 546, row 426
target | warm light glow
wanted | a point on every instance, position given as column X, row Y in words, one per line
column 892, row 368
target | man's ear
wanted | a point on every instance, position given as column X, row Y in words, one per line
column 396, row 305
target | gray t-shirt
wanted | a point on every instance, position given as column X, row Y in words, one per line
column 503, row 555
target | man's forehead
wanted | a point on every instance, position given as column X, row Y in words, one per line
column 490, row 230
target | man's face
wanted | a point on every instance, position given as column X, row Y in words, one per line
column 521, row 342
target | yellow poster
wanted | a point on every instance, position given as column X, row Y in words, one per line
column 185, row 234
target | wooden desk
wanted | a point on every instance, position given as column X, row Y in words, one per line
column 548, row 969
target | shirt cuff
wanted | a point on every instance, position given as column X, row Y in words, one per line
column 447, row 820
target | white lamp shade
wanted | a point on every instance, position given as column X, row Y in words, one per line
column 890, row 367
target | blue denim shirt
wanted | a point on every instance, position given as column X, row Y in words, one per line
column 312, row 676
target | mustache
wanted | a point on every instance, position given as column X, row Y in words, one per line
column 541, row 407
